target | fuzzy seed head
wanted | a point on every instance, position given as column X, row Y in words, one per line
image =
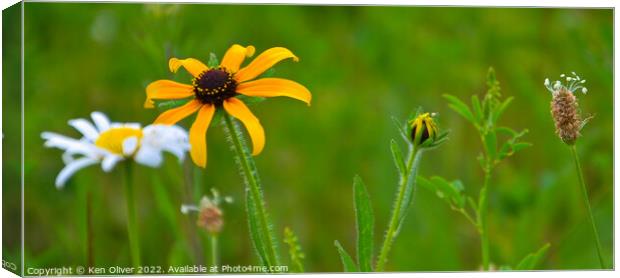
column 210, row 218
column 565, row 112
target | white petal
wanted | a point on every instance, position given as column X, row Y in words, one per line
column 110, row 161
column 62, row 142
column 149, row 156
column 130, row 145
column 185, row 209
column 71, row 168
column 86, row 128
column 101, row 121
column 173, row 139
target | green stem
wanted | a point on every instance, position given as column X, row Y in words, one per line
column 586, row 199
column 250, row 173
column 89, row 228
column 398, row 210
column 214, row 250
column 483, row 227
column 132, row 228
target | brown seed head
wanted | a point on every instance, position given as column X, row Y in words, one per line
column 210, row 218
column 564, row 109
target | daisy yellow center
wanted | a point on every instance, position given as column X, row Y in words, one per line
column 112, row 139
column 215, row 85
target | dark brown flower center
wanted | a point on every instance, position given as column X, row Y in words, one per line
column 213, row 86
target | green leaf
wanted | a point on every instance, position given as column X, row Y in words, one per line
column 501, row 108
column 519, row 146
column 250, row 100
column 398, row 158
column 259, row 242
column 402, row 130
column 451, row 192
column 533, row 259
column 475, row 104
column 460, row 107
column 506, row 131
column 365, row 225
column 347, row 262
column 490, row 144
column 213, row 61
column 163, row 105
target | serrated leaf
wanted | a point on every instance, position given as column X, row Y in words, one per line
column 347, row 262
column 460, row 107
column 397, row 155
column 533, row 259
column 365, row 222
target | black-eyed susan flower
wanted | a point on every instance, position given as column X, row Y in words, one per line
column 423, row 128
column 218, row 88
column 109, row 143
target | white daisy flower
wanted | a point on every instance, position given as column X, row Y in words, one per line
column 108, row 143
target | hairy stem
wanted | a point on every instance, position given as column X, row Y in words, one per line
column 250, row 174
column 586, row 200
column 398, row 210
column 132, row 228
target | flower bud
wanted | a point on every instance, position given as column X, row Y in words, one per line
column 423, row 129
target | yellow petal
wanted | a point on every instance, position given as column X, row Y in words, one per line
column 174, row 115
column 239, row 110
column 166, row 89
column 275, row 87
column 235, row 56
column 193, row 66
column 198, row 135
column 263, row 62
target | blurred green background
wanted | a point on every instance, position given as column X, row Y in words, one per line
column 363, row 66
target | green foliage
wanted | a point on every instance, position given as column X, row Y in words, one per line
column 347, row 262
column 163, row 105
column 484, row 118
column 294, row 250
column 365, row 221
column 531, row 261
column 451, row 192
column 358, row 78
column 255, row 234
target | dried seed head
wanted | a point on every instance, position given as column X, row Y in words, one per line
column 210, row 218
column 565, row 112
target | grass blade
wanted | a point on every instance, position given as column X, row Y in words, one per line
column 365, row 225
column 533, row 259
column 347, row 261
